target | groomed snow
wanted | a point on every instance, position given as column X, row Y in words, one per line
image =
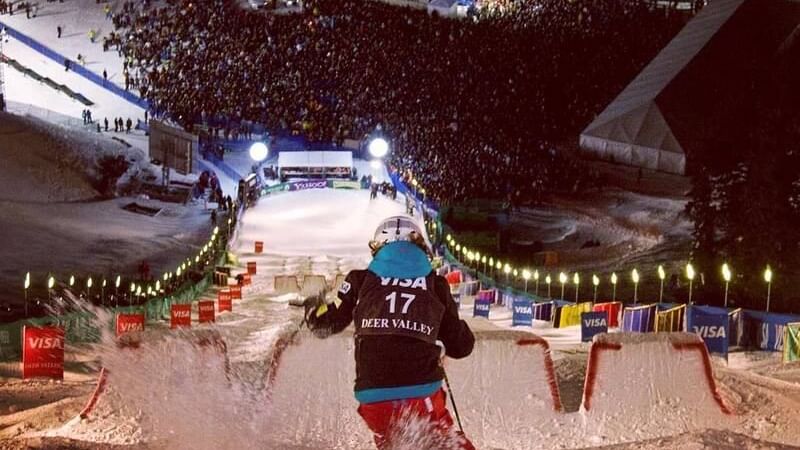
column 54, row 221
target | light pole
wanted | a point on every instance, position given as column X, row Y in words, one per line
column 483, row 261
column 116, row 291
column 690, row 275
column 133, row 292
column 506, row 270
column 562, row 277
column 27, row 285
column 458, row 252
column 499, row 266
column 577, row 280
column 548, row 280
column 536, row 279
column 768, row 279
column 613, row 286
column 51, row 282
column 526, row 275
column 595, row 283
column 635, row 278
column 89, row 289
column 491, row 267
column 726, row 275
column 661, row 276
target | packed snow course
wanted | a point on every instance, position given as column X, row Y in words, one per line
column 275, row 386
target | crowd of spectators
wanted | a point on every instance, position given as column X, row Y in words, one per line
column 474, row 108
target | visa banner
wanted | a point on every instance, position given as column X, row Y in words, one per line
column 180, row 315
column 127, row 323
column 206, row 311
column 523, row 313
column 713, row 328
column 43, row 352
column 593, row 323
column 481, row 308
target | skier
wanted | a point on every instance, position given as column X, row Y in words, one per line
column 401, row 308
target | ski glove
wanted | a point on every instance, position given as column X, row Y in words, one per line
column 318, row 319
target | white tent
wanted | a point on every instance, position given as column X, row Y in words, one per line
column 315, row 163
column 315, row 159
column 633, row 130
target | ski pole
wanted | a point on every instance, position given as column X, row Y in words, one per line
column 452, row 401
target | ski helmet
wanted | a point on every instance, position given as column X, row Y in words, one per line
column 398, row 228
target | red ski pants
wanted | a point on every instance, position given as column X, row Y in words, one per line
column 417, row 422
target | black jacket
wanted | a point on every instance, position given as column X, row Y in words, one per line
column 397, row 325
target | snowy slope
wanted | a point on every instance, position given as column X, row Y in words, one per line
column 167, row 398
column 53, row 222
column 24, row 90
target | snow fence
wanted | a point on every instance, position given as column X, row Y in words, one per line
column 506, row 391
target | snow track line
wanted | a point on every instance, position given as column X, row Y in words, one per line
column 712, row 385
column 283, row 342
column 549, row 367
column 102, row 381
column 591, row 370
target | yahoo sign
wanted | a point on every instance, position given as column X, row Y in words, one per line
column 303, row 185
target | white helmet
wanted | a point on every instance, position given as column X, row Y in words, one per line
column 398, row 228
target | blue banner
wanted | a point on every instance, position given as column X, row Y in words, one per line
column 593, row 323
column 481, row 308
column 713, row 328
column 543, row 311
column 523, row 313
column 639, row 319
column 764, row 330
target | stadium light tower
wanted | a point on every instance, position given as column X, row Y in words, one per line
column 661, row 276
column 690, row 275
column 595, row 283
column 378, row 147
column 259, row 151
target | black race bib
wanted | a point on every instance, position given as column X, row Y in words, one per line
column 398, row 307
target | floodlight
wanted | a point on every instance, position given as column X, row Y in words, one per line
column 259, row 151
column 378, row 147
